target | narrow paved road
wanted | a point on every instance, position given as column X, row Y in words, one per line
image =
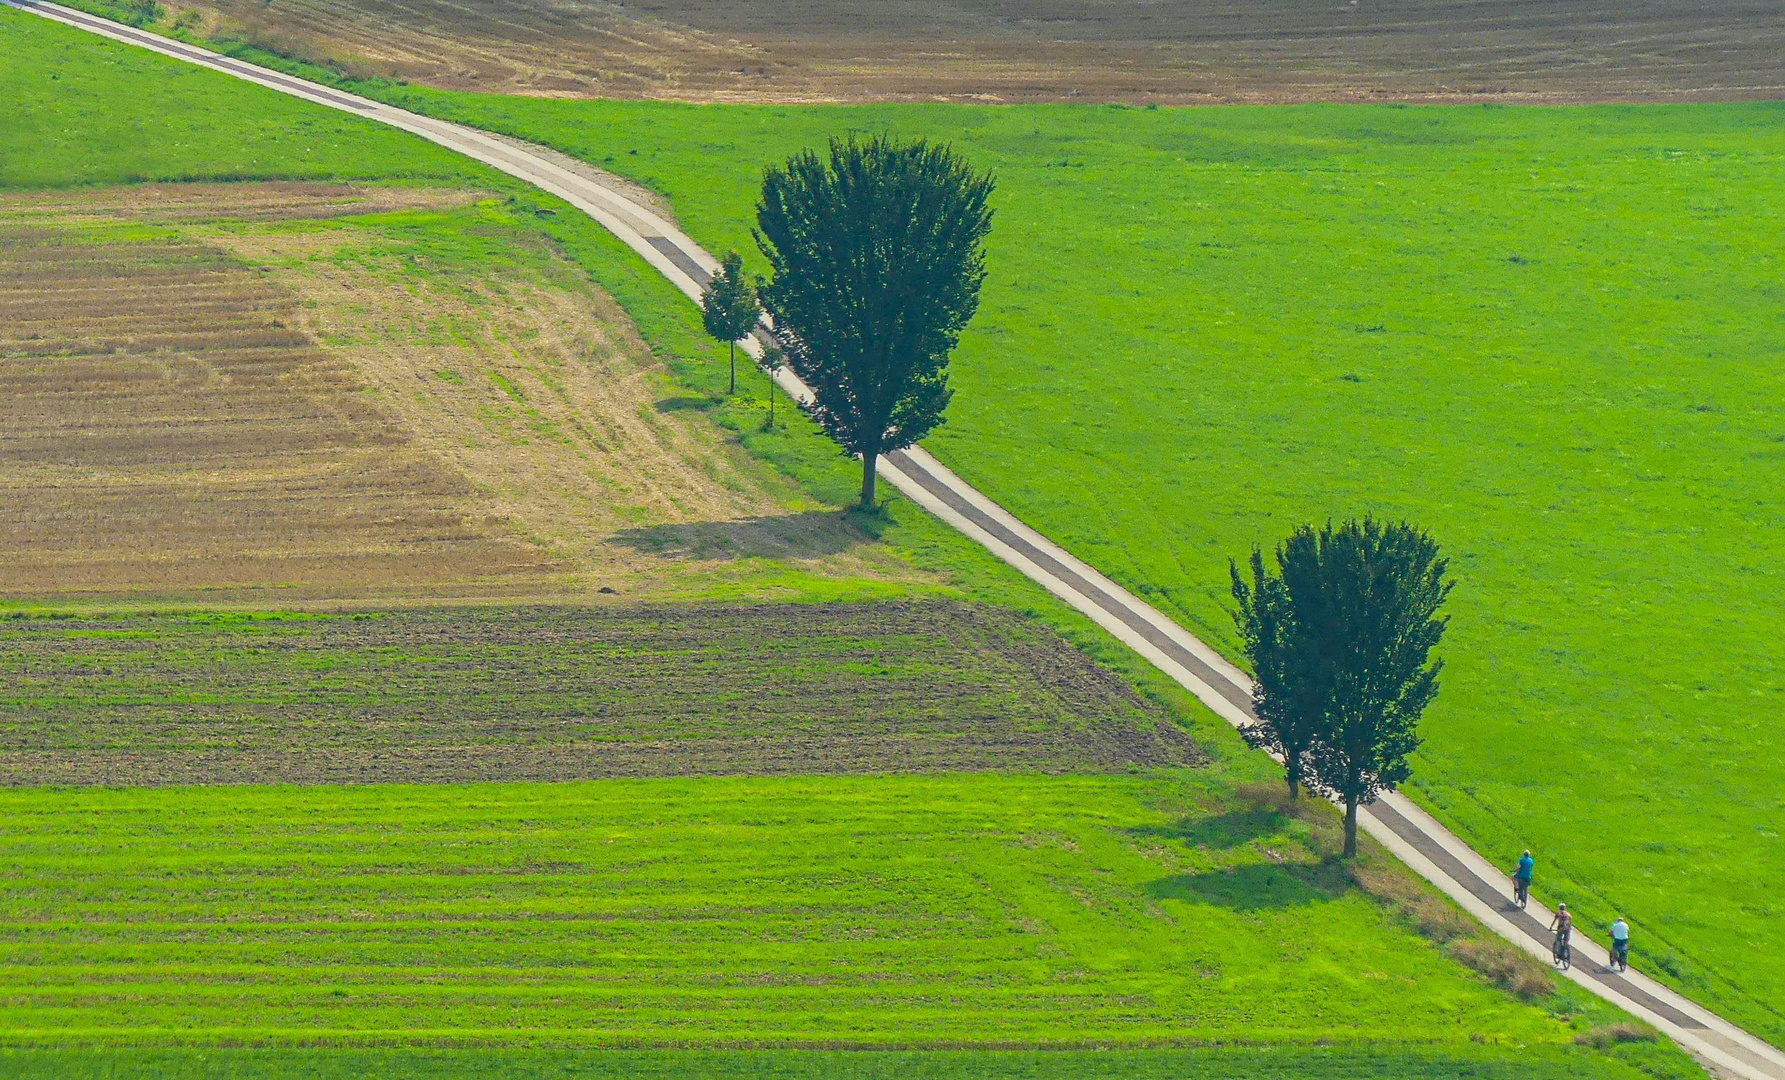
column 1425, row 845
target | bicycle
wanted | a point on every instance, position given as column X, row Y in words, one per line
column 1620, row 956
column 1521, row 893
column 1562, row 953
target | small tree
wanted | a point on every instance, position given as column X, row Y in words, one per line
column 1291, row 689
column 729, row 308
column 878, row 259
column 770, row 364
column 1365, row 598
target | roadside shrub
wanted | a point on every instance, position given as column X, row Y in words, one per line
column 1272, row 796
column 1431, row 915
column 1623, row 1032
column 1506, row 966
column 142, row 12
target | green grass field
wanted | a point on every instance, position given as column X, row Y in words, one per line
column 931, row 911
column 1234, row 1063
column 1550, row 335
column 880, row 911
column 1250, row 1063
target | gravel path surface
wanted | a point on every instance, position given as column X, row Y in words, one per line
column 1474, row 882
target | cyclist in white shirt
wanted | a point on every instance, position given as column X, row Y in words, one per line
column 1620, row 941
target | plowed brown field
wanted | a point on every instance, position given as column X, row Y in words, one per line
column 1042, row 50
column 554, row 693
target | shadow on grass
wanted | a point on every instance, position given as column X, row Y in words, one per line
column 785, row 536
column 687, row 403
column 1220, row 831
column 1258, row 886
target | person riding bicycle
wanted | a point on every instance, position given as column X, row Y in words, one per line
column 1563, row 925
column 1620, row 941
column 1521, row 878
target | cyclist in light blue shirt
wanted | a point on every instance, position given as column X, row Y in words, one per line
column 1521, row 878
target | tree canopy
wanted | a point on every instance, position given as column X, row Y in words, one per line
column 877, row 252
column 1341, row 639
column 729, row 308
column 1288, row 699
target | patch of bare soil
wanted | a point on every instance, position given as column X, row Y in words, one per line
column 555, row 693
column 1041, row 50
column 165, row 425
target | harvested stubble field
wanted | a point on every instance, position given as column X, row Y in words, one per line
column 1030, row 50
column 480, row 693
column 331, row 389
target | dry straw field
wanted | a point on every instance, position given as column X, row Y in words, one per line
column 229, row 388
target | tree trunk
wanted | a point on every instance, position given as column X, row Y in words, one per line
column 771, row 401
column 1292, row 775
column 869, row 460
column 1350, row 827
column 734, row 368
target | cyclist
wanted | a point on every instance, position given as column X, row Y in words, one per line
column 1563, row 926
column 1620, row 944
column 1521, row 879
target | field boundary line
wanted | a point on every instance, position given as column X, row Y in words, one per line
column 1413, row 835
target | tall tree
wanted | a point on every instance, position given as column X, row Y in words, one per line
column 729, row 308
column 1365, row 599
column 1290, row 690
column 878, row 256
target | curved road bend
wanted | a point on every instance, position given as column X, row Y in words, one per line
column 1413, row 835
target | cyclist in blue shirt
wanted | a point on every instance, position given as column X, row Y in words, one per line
column 1521, row 879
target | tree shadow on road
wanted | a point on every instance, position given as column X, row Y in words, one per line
column 786, row 536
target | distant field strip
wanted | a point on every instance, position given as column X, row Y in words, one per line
column 1444, row 1062
column 839, row 911
column 560, row 693
column 802, row 51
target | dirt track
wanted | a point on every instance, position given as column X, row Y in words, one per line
column 1043, row 50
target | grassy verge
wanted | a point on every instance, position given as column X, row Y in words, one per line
column 1548, row 335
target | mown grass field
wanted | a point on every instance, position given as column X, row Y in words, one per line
column 986, row 911
column 1550, row 336
column 1105, row 910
